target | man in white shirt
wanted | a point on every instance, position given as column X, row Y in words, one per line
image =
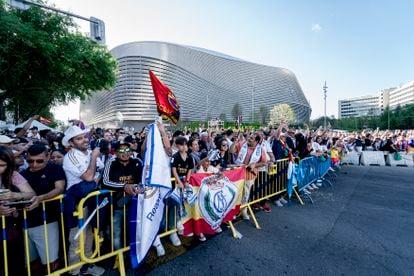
column 80, row 166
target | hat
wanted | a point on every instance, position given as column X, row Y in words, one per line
column 121, row 143
column 71, row 132
column 6, row 139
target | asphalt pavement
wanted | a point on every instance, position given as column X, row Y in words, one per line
column 363, row 225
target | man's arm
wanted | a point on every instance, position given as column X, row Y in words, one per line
column 90, row 172
column 26, row 126
column 59, row 188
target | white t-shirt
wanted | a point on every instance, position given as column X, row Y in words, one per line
column 76, row 163
column 267, row 148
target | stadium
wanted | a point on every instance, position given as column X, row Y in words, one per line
column 207, row 85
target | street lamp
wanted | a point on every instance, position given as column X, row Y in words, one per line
column 252, row 101
column 325, row 91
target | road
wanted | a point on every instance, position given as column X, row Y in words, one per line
column 363, row 225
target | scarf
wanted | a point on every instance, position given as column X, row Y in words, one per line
column 257, row 153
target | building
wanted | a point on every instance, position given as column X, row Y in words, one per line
column 359, row 106
column 207, row 84
column 402, row 95
column 375, row 104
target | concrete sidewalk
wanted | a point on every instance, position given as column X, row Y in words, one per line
column 364, row 225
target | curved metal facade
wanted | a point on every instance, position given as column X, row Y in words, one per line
column 206, row 84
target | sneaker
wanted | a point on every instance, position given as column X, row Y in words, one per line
column 306, row 191
column 159, row 247
column 93, row 270
column 202, row 238
column 314, row 186
column 175, row 240
column 283, row 201
column 180, row 227
column 309, row 188
column 256, row 207
column 267, row 208
column 190, row 235
column 245, row 215
column 278, row 203
column 218, row 230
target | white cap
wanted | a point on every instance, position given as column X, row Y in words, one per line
column 6, row 139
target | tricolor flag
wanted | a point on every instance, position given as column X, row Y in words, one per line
column 147, row 208
column 167, row 104
column 219, row 197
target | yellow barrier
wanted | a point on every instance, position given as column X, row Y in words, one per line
column 269, row 184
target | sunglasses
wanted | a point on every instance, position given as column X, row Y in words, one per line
column 38, row 161
column 123, row 150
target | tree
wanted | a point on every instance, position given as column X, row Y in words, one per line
column 236, row 111
column 222, row 116
column 45, row 61
column 282, row 112
column 262, row 114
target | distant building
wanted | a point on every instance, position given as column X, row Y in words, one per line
column 375, row 104
column 359, row 106
column 207, row 84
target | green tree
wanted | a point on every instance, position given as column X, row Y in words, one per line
column 282, row 112
column 45, row 61
column 236, row 111
column 262, row 115
column 223, row 116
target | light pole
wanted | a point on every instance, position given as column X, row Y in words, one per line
column 252, row 101
column 325, row 91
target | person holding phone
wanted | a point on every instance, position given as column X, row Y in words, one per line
column 13, row 187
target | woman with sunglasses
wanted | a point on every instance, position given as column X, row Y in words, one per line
column 221, row 157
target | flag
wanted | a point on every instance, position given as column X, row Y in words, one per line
column 167, row 104
column 218, row 201
column 45, row 120
column 147, row 208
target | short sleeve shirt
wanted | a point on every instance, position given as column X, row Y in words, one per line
column 17, row 180
column 42, row 182
column 75, row 164
column 182, row 166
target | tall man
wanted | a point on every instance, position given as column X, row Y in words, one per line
column 80, row 166
column 122, row 173
column 252, row 155
column 48, row 181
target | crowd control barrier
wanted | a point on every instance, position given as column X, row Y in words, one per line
column 310, row 169
column 405, row 160
column 352, row 158
column 373, row 158
column 273, row 182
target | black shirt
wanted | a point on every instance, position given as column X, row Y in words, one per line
column 42, row 182
column 116, row 175
column 182, row 166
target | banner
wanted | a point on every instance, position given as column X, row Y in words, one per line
column 218, row 201
column 147, row 208
column 167, row 104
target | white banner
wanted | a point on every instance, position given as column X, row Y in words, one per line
column 147, row 208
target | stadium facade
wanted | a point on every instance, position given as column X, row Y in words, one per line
column 207, row 84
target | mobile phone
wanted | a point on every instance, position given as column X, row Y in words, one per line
column 18, row 204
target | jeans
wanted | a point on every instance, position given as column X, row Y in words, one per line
column 72, row 198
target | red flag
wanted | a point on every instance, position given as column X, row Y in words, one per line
column 167, row 104
column 45, row 120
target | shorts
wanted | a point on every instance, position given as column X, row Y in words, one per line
column 37, row 242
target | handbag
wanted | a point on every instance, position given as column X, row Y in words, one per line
column 397, row 156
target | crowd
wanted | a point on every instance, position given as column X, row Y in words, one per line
column 39, row 165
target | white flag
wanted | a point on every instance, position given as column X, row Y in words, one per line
column 147, row 208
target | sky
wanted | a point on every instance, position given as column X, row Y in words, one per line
column 357, row 46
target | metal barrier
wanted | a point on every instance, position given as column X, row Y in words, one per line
column 269, row 184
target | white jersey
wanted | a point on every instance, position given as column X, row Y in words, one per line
column 75, row 164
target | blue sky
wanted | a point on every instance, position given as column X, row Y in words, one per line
column 358, row 47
